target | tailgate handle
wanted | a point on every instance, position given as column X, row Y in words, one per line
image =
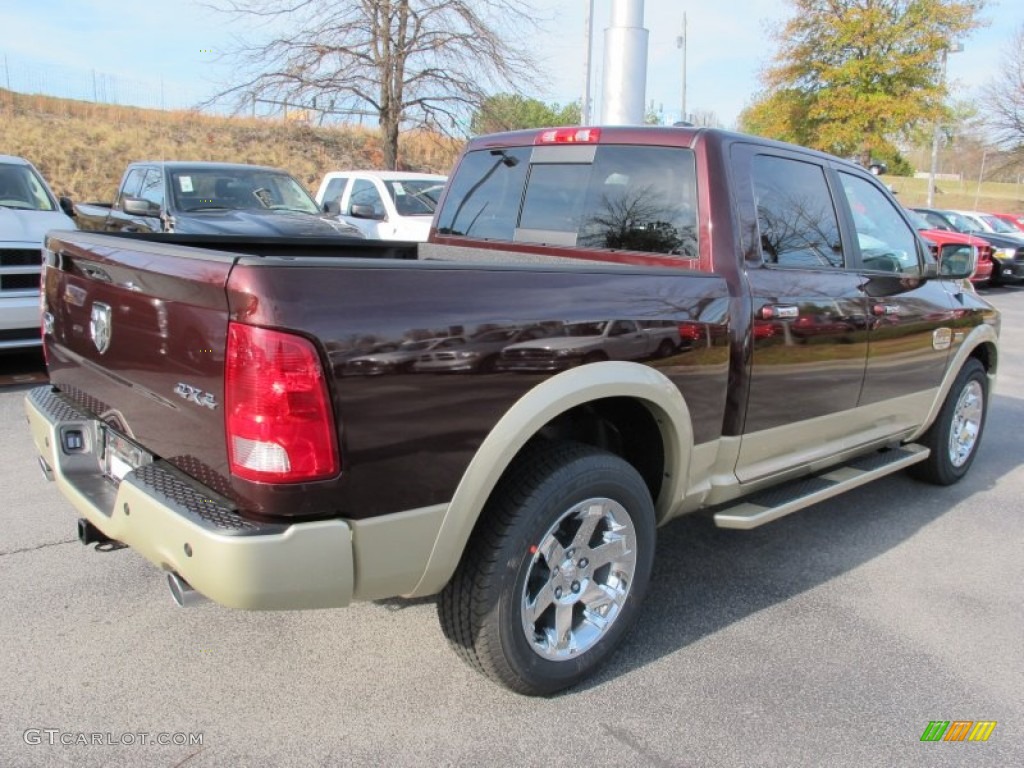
column 96, row 274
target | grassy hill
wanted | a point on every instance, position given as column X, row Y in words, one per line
column 82, row 148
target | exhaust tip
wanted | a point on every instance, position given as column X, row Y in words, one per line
column 181, row 591
column 46, row 469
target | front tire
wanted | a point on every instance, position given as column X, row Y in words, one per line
column 555, row 572
column 956, row 434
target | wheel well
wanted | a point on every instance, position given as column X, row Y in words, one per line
column 987, row 355
column 620, row 425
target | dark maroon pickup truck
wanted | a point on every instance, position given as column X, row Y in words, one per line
column 695, row 320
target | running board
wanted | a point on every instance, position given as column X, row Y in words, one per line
column 771, row 504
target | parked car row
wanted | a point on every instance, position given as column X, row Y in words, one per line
column 1003, row 233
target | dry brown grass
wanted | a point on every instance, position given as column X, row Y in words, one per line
column 82, row 148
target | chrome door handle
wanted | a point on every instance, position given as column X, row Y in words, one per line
column 885, row 309
column 779, row 311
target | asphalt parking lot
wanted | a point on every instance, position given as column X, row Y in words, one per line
column 831, row 637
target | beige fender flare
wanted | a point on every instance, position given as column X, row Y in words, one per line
column 525, row 418
column 981, row 334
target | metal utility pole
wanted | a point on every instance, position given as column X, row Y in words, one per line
column 625, row 65
column 937, row 133
column 588, row 34
column 681, row 43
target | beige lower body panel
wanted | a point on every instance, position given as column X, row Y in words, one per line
column 306, row 565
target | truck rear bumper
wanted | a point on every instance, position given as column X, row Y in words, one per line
column 180, row 525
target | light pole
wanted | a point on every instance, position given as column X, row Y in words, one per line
column 681, row 43
column 588, row 33
column 954, row 47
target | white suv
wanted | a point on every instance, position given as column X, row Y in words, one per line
column 28, row 210
column 385, row 205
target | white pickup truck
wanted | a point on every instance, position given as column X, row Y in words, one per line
column 28, row 210
column 384, row 205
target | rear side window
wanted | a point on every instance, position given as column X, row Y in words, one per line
column 615, row 198
column 485, row 194
column 796, row 219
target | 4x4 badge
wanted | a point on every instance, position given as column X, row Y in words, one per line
column 195, row 395
column 99, row 326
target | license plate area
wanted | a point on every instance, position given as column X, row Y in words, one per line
column 121, row 455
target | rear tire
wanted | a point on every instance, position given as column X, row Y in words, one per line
column 956, row 434
column 554, row 574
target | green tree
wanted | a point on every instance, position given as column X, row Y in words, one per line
column 850, row 76
column 511, row 112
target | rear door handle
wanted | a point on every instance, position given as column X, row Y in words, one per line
column 885, row 309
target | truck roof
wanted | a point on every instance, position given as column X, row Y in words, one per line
column 178, row 164
column 13, row 160
column 653, row 135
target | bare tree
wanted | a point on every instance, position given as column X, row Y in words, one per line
column 1005, row 95
column 413, row 63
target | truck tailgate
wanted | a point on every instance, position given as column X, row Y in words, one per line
column 136, row 335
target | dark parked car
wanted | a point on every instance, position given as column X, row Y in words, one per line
column 211, row 199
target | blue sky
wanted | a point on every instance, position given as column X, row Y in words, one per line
column 135, row 49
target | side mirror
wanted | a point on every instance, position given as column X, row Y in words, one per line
column 332, row 207
column 66, row 205
column 135, row 206
column 957, row 262
column 365, row 212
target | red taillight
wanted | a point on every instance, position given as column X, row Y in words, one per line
column 280, row 427
column 568, row 136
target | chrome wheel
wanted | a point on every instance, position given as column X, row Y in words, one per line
column 579, row 577
column 966, row 426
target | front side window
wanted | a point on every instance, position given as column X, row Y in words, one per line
column 132, row 183
column 795, row 216
column 153, row 188
column 887, row 243
column 365, row 193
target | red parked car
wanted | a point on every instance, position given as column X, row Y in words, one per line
column 1014, row 219
column 940, row 237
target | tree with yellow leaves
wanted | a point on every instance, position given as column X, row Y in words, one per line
column 850, row 76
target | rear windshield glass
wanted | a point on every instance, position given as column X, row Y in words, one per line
column 627, row 198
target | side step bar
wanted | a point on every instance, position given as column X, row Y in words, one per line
column 779, row 501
